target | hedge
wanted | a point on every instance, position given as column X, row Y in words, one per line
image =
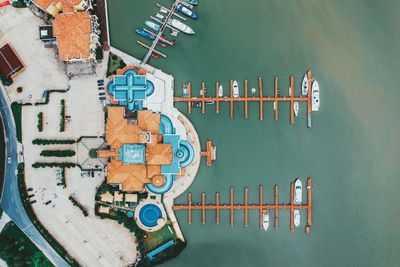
column 40, row 122
column 62, row 116
column 53, row 141
column 17, row 112
column 77, row 204
column 57, row 153
column 18, row 4
column 53, row 165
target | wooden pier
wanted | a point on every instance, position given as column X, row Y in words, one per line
column 260, row 99
column 232, row 207
column 210, row 153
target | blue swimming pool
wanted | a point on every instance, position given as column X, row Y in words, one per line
column 149, row 214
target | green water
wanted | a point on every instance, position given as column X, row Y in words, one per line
column 352, row 152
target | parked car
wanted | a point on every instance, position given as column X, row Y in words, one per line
column 100, row 88
column 8, row 160
column 102, row 98
column 48, row 202
column 102, row 93
column 33, row 201
column 29, row 189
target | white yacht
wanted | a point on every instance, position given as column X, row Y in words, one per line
column 296, row 219
column 315, row 96
column 265, row 220
column 304, row 85
column 159, row 16
column 296, row 108
column 235, row 89
column 220, row 91
column 297, row 192
column 180, row 26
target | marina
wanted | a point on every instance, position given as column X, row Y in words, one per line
column 245, row 207
column 234, row 96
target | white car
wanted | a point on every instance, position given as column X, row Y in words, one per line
column 8, row 160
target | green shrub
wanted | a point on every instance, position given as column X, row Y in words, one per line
column 40, row 122
column 6, row 81
column 62, row 116
column 99, row 53
column 53, row 165
column 18, row 4
column 57, row 153
column 53, row 141
column 17, row 112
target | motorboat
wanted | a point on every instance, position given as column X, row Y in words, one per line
column 185, row 90
column 253, row 90
column 315, row 96
column 186, row 11
column 220, row 91
column 297, row 192
column 274, row 105
column 145, row 34
column 152, row 25
column 163, row 10
column 192, row 2
column 235, row 89
column 180, row 26
column 265, row 220
column 210, row 102
column 296, row 217
column 304, row 85
column 296, row 108
column 159, row 16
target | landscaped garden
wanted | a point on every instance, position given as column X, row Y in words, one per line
column 114, row 63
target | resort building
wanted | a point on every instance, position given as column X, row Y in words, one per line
column 55, row 7
column 76, row 36
column 144, row 149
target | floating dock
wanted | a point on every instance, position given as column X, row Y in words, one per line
column 260, row 99
column 210, row 154
column 203, row 206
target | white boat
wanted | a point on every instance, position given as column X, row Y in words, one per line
column 180, row 26
column 158, row 15
column 315, row 96
column 265, row 220
column 253, row 90
column 163, row 10
column 235, row 89
column 296, row 108
column 220, row 91
column 274, row 105
column 296, row 219
column 297, row 192
column 304, row 85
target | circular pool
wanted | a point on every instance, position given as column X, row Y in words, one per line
column 149, row 215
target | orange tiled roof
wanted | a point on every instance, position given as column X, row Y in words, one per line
column 149, row 121
column 66, row 5
column 72, row 31
column 159, row 154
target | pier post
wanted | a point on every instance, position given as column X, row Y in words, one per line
column 203, row 211
column 189, row 208
column 276, row 193
column 291, row 99
column 231, row 99
column 309, row 204
column 203, row 94
column 217, row 208
column 246, row 203
column 276, row 103
column 292, row 207
column 260, row 198
column 231, row 208
column 245, row 99
column 216, row 97
column 260, row 88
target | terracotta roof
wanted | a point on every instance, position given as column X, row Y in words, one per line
column 159, row 154
column 149, row 121
column 65, row 5
column 72, row 32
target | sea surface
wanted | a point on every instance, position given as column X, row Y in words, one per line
column 352, row 151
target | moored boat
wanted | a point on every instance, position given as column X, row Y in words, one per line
column 296, row 219
column 163, row 10
column 145, row 34
column 265, row 220
column 315, row 96
column 304, row 85
column 185, row 90
column 296, row 108
column 235, row 89
column 220, row 91
column 192, row 2
column 297, row 192
column 180, row 26
column 152, row 25
column 159, row 16
column 186, row 11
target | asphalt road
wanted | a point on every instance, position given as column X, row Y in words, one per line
column 11, row 201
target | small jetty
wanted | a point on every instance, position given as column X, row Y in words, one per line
column 210, row 154
column 245, row 207
column 203, row 99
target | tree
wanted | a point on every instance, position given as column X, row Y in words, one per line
column 6, row 81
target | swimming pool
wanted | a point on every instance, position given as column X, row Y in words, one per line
column 149, row 214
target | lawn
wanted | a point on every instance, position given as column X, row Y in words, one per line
column 114, row 63
column 17, row 250
column 159, row 237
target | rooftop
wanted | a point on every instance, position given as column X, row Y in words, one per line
column 72, row 32
column 53, row 7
